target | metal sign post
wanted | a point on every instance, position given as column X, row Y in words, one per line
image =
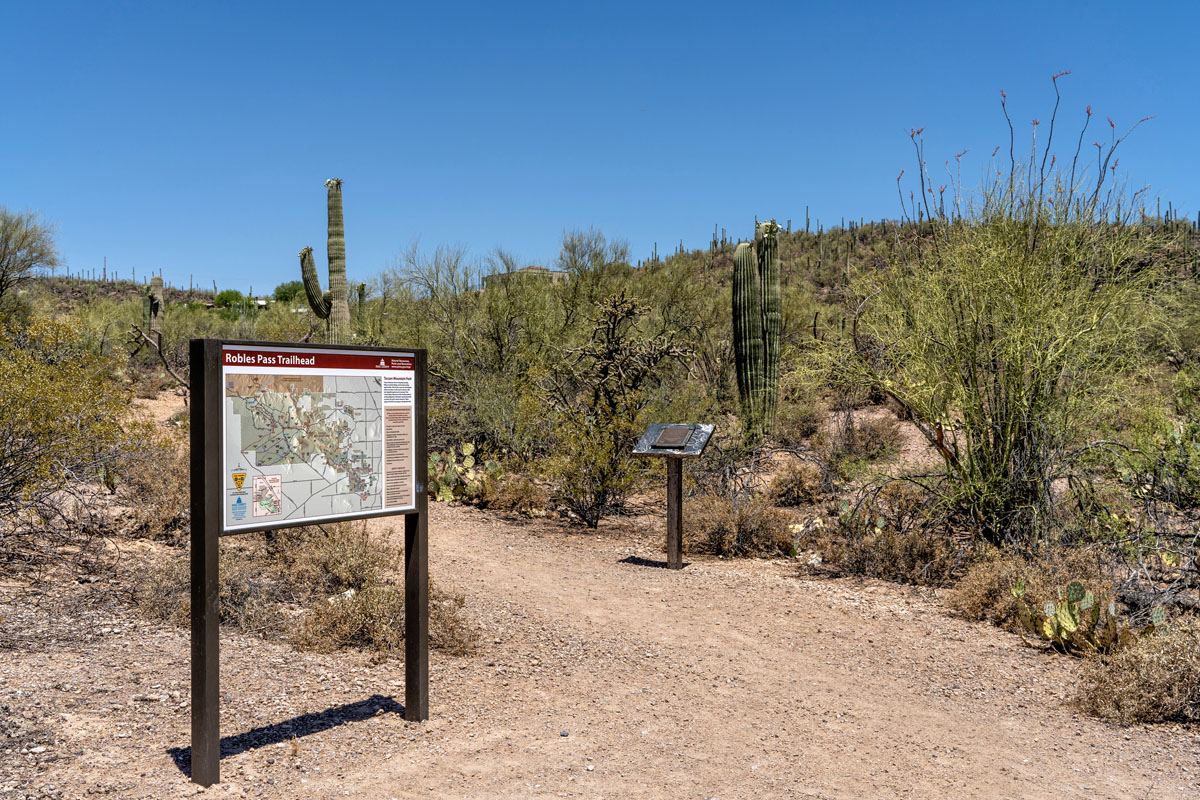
column 267, row 420
column 674, row 443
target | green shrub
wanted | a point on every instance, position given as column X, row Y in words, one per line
column 64, row 423
column 288, row 291
column 1007, row 330
column 599, row 395
column 229, row 298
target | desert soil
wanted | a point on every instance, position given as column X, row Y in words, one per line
column 599, row 674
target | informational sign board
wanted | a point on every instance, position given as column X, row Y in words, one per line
column 284, row 435
column 315, row 435
column 674, row 440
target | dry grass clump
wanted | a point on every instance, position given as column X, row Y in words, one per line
column 750, row 527
column 797, row 484
column 984, row 593
column 875, row 437
column 914, row 556
column 1156, row 679
column 516, row 493
column 802, row 409
column 154, row 486
column 373, row 619
column 889, row 536
column 325, row 588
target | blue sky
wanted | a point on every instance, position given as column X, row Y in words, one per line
column 194, row 137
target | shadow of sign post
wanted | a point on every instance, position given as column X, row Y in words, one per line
column 285, row 435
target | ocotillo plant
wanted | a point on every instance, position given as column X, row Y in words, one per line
column 152, row 306
column 757, row 322
column 332, row 306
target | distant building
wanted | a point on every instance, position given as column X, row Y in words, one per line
column 527, row 273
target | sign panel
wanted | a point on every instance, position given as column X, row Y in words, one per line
column 315, row 434
column 673, row 440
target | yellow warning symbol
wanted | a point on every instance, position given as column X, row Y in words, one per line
column 238, row 479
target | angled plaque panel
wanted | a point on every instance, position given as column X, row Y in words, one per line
column 673, row 440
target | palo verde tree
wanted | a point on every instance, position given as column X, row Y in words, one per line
column 332, row 306
column 1006, row 328
column 26, row 245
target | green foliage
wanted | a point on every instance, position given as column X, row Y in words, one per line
column 64, row 421
column 1008, row 333
column 334, row 305
column 26, row 245
column 229, row 298
column 288, row 291
column 598, row 394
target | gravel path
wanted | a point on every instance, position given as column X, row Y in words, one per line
column 599, row 675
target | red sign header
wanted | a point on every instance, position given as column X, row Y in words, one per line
column 315, row 360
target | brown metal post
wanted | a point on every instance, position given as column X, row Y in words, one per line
column 416, row 567
column 674, row 513
column 206, row 520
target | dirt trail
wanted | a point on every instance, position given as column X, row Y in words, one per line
column 729, row 679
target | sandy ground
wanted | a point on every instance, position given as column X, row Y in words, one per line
column 598, row 675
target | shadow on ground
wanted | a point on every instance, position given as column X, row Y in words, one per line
column 638, row 561
column 303, row 725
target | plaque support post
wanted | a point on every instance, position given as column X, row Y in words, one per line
column 206, row 510
column 674, row 513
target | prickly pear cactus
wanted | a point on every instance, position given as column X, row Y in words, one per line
column 457, row 475
column 1077, row 623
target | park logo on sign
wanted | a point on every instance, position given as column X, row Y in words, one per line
column 238, row 479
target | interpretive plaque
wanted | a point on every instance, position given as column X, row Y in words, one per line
column 673, row 436
column 674, row 442
column 284, row 435
column 653, row 442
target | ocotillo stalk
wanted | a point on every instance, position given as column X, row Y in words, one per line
column 748, row 336
column 332, row 306
column 766, row 245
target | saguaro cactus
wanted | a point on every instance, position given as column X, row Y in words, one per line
column 766, row 246
column 332, row 306
column 757, row 323
column 152, row 306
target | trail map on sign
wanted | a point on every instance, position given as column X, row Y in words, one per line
column 314, row 434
